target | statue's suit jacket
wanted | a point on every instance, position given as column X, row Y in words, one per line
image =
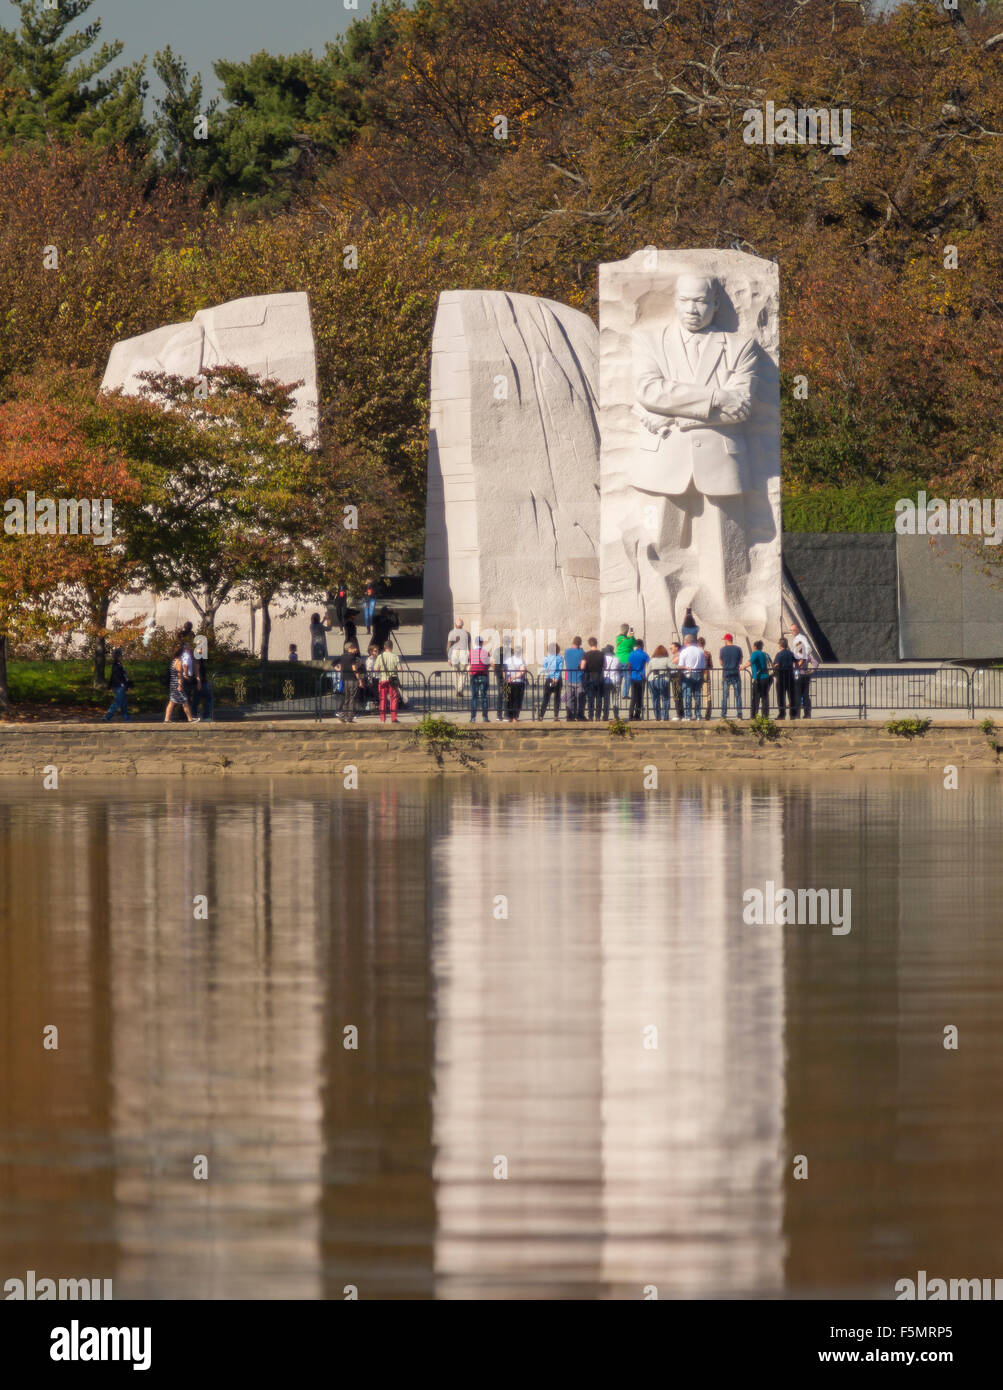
column 694, row 444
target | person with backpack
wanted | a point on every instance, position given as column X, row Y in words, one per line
column 806, row 664
column 119, row 684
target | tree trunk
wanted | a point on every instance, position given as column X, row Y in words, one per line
column 4, row 694
column 99, row 612
column 266, row 629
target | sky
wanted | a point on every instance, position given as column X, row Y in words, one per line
column 203, row 30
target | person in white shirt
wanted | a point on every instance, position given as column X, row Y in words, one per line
column 515, row 683
column 188, row 670
column 805, row 659
column 691, row 662
column 458, row 653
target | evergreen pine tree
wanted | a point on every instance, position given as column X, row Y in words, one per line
column 57, row 84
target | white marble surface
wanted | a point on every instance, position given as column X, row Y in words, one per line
column 268, row 334
column 690, row 494
column 513, row 506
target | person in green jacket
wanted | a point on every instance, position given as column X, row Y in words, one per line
column 625, row 644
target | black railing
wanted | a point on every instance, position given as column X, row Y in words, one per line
column 855, row 692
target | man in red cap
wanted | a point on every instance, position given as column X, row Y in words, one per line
column 731, row 665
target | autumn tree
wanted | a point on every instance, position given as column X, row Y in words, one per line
column 220, row 466
column 58, row 442
column 80, row 243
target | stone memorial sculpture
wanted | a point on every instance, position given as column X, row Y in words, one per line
column 513, row 505
column 690, row 463
column 268, row 334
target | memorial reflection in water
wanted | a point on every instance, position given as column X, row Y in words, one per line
column 578, row 1071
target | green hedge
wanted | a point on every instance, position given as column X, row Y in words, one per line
column 870, row 507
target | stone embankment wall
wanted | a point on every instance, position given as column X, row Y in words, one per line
column 263, row 750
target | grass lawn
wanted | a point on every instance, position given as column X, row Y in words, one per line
column 64, row 689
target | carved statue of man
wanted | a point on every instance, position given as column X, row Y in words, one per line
column 693, row 391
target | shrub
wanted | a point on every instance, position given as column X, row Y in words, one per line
column 908, row 728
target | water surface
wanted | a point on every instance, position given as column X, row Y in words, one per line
column 579, row 1072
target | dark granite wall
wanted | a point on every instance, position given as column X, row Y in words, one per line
column 850, row 584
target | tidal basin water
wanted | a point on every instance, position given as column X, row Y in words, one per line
column 579, row 1072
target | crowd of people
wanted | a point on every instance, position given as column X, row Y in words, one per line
column 591, row 683
column 190, row 688
column 378, row 625
column 366, row 682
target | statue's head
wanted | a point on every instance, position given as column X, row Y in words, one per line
column 696, row 301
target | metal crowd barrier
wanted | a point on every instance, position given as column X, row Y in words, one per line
column 855, row 691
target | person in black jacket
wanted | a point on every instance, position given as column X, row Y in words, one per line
column 118, row 684
column 340, row 605
column 353, row 673
column 783, row 675
column 385, row 622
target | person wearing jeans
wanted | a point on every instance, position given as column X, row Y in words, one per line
column 369, row 604
column 479, row 668
column 676, row 680
column 691, row 663
column 659, row 682
column 592, row 667
column 758, row 665
column 553, row 679
column 625, row 644
column 611, row 683
column 574, row 691
column 118, row 683
column 731, row 678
